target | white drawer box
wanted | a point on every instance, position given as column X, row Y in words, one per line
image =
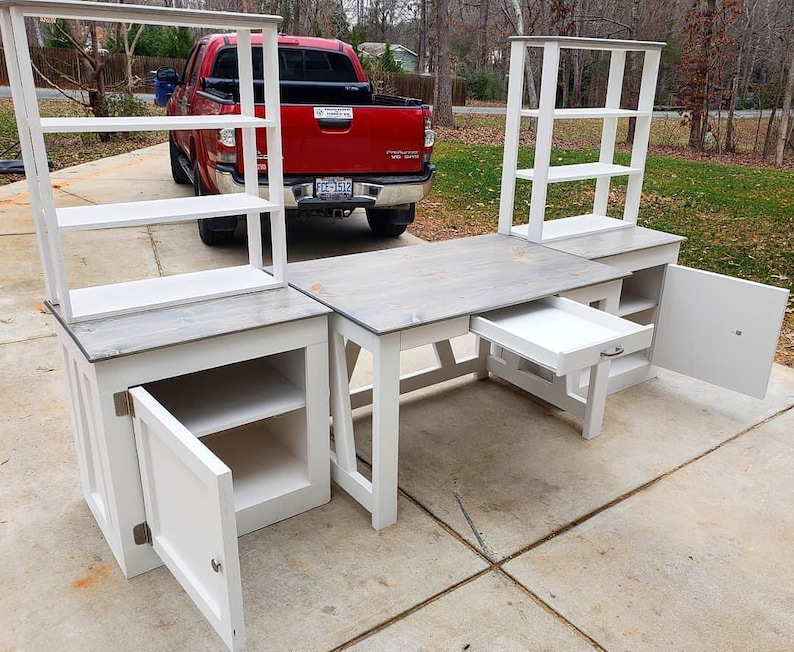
column 560, row 334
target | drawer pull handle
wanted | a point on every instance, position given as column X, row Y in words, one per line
column 216, row 566
column 611, row 353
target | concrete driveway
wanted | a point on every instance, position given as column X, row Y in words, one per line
column 671, row 531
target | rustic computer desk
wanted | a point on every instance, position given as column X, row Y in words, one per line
column 395, row 300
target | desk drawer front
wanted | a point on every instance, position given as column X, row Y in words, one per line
column 560, row 334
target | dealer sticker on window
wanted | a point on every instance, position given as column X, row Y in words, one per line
column 333, row 112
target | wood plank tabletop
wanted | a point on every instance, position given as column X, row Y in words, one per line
column 391, row 290
column 610, row 243
column 112, row 337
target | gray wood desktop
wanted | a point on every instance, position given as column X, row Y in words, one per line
column 395, row 300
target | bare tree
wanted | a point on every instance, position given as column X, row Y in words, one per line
column 784, row 131
column 442, row 109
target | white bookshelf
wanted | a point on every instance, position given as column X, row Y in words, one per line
column 537, row 228
column 80, row 304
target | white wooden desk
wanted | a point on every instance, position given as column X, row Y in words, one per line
column 399, row 299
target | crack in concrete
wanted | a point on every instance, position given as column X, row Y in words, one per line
column 157, row 260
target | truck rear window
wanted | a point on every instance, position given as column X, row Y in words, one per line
column 293, row 65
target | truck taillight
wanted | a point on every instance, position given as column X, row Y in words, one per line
column 227, row 146
column 430, row 138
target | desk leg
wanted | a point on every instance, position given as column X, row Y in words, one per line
column 385, row 429
column 596, row 400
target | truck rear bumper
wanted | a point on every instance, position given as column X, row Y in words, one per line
column 386, row 191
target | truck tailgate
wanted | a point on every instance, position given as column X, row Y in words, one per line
column 362, row 139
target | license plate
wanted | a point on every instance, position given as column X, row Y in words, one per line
column 333, row 188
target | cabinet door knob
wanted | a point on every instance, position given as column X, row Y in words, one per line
column 216, row 565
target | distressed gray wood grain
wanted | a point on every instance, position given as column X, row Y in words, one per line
column 112, row 337
column 609, row 243
column 387, row 291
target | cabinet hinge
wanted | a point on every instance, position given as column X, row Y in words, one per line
column 142, row 534
column 122, row 401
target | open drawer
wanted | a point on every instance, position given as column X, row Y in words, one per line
column 561, row 335
column 221, row 453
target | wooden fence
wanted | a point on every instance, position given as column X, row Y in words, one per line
column 420, row 86
column 61, row 66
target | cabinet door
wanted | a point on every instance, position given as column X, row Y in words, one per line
column 718, row 329
column 189, row 504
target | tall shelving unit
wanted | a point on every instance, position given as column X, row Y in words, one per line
column 81, row 304
column 538, row 229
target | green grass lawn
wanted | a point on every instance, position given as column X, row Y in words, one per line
column 737, row 220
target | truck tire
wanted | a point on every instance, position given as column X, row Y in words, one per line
column 177, row 171
column 215, row 230
column 390, row 222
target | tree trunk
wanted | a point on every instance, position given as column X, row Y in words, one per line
column 442, row 110
column 634, row 73
column 482, row 35
column 783, row 130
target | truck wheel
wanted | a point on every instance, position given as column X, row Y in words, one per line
column 390, row 222
column 177, row 171
column 215, row 230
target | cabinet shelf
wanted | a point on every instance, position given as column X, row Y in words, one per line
column 159, row 211
column 252, row 391
column 580, row 172
column 632, row 304
column 263, row 468
column 587, row 113
column 133, row 296
column 567, row 227
column 149, row 123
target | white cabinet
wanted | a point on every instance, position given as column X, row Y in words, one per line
column 718, row 329
column 538, row 229
column 52, row 222
column 185, row 444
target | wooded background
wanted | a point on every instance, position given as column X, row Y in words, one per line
column 721, row 55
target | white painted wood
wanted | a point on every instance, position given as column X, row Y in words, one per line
column 515, row 94
column 561, row 335
column 609, row 129
column 160, row 211
column 719, row 329
column 344, row 441
column 642, row 132
column 77, row 9
column 631, row 304
column 577, row 172
column 278, row 225
column 52, row 223
column 596, row 400
column 385, row 429
column 543, row 138
column 252, row 391
column 13, row 68
column 149, row 123
column 585, row 113
column 542, row 173
column 132, row 296
column 585, row 43
column 39, row 185
column 190, row 511
column 568, row 227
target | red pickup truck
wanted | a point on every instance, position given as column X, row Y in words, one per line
column 344, row 146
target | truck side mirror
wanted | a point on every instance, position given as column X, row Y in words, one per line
column 167, row 75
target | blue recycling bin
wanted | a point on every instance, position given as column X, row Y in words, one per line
column 165, row 80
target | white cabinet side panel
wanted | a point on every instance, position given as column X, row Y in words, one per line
column 190, row 510
column 719, row 329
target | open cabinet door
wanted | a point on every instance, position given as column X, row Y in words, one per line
column 189, row 504
column 718, row 329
